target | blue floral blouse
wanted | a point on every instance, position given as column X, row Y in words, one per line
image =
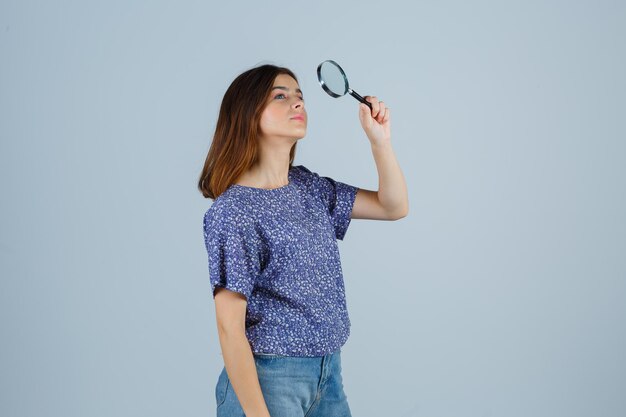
column 278, row 247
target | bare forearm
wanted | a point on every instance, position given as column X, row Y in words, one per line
column 241, row 370
column 392, row 190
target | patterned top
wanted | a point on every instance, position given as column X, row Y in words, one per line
column 278, row 247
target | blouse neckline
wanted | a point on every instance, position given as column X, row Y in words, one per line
column 283, row 187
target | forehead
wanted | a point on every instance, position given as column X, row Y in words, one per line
column 285, row 80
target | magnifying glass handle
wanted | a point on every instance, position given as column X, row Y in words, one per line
column 358, row 97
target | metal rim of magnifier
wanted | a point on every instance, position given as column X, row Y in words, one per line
column 323, row 84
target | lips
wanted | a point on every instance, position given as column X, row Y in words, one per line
column 299, row 117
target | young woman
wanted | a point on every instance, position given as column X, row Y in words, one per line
column 271, row 238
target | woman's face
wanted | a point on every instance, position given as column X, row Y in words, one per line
column 284, row 115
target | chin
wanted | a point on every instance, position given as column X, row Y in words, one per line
column 300, row 135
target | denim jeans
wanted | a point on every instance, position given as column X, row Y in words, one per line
column 292, row 386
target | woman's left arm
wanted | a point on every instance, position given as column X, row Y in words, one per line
column 391, row 201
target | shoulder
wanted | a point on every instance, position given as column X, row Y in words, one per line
column 229, row 211
column 304, row 175
column 312, row 181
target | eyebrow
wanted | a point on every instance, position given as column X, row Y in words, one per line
column 280, row 87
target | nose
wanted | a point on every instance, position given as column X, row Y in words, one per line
column 298, row 104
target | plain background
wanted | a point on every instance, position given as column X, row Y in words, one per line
column 501, row 294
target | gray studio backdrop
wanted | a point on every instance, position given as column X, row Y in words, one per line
column 501, row 294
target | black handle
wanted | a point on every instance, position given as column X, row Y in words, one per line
column 361, row 99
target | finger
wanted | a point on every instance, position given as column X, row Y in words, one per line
column 381, row 112
column 387, row 115
column 375, row 106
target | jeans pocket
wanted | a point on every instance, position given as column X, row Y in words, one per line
column 221, row 388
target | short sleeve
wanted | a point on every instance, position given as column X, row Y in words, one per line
column 234, row 253
column 338, row 198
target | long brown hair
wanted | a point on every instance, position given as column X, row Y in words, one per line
column 234, row 148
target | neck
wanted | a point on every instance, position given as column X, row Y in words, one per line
column 271, row 169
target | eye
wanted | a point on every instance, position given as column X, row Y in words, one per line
column 282, row 95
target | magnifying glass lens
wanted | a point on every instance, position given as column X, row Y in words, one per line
column 333, row 78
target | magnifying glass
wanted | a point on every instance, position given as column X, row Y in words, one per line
column 334, row 81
